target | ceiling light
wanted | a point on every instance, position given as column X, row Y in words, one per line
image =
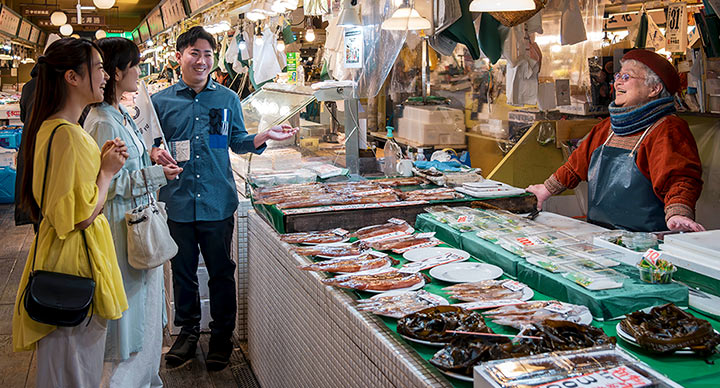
column 242, row 45
column 310, row 35
column 66, row 29
column 406, row 18
column 58, row 18
column 104, row 4
column 350, row 14
column 281, row 45
column 99, row 34
column 255, row 16
column 501, row 5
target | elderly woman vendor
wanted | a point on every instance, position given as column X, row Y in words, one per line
column 641, row 164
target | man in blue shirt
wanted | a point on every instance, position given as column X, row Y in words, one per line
column 201, row 119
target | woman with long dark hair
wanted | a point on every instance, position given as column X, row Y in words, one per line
column 70, row 77
column 134, row 342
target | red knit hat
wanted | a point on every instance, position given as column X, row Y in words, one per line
column 658, row 64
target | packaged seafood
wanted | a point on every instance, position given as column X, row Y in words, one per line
column 432, row 324
column 600, row 366
column 393, row 228
column 429, row 194
column 404, row 243
column 581, row 273
column 519, row 316
column 363, row 262
column 386, row 280
column 487, row 290
column 667, row 329
column 319, row 237
column 461, row 355
column 397, row 304
column 408, row 181
column 333, row 250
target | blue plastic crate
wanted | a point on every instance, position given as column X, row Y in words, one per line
column 10, row 138
column 7, row 185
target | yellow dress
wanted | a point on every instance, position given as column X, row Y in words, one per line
column 70, row 197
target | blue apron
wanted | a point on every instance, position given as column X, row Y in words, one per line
column 619, row 195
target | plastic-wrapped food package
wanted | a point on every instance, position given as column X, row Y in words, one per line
column 605, row 365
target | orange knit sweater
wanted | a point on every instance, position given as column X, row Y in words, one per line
column 668, row 157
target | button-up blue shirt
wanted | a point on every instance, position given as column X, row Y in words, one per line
column 205, row 190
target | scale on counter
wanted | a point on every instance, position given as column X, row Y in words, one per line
column 698, row 252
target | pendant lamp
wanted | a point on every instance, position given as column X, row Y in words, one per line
column 58, row 18
column 104, row 4
column 405, row 18
column 501, row 5
column 66, row 29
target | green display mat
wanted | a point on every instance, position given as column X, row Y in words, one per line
column 605, row 304
column 687, row 370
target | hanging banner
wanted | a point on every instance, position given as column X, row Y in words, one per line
column 676, row 28
column 146, row 118
column 655, row 37
column 354, row 48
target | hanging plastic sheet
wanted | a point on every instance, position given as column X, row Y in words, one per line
column 380, row 48
column 572, row 25
column 445, row 13
column 265, row 62
column 570, row 62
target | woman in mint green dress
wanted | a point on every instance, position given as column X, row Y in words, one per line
column 134, row 342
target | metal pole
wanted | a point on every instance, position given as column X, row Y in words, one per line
column 352, row 126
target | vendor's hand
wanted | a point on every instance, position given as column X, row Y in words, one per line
column 683, row 224
column 171, row 171
column 282, row 132
column 161, row 157
column 541, row 192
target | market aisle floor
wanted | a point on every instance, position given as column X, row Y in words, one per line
column 18, row 369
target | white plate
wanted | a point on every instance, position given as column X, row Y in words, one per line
column 466, row 272
column 441, row 300
column 428, row 343
column 413, row 288
column 627, row 337
column 456, row 375
column 420, row 254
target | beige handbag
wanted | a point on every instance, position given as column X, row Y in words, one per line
column 149, row 243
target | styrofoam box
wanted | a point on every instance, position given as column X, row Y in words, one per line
column 204, row 316
column 435, row 114
column 430, row 133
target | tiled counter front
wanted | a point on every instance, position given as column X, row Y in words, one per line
column 302, row 333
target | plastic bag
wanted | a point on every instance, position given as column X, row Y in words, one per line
column 265, row 63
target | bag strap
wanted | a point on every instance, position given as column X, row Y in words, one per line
column 42, row 200
column 151, row 199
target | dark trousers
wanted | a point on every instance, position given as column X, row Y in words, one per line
column 213, row 239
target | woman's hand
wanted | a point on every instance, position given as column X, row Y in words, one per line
column 541, row 192
column 171, row 171
column 113, row 156
column 683, row 224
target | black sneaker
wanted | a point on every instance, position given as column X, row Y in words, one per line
column 219, row 353
column 182, row 351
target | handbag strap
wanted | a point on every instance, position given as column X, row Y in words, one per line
column 42, row 200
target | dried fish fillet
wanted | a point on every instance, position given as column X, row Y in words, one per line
column 346, row 265
column 384, row 281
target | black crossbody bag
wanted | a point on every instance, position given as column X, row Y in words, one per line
column 56, row 298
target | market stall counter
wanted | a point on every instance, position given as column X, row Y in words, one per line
column 304, row 333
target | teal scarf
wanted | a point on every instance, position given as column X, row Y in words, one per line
column 633, row 119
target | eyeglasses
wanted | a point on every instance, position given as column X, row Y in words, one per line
column 625, row 77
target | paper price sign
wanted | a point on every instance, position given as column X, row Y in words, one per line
column 464, row 219
column 676, row 28
column 620, row 377
column 652, row 256
column 558, row 308
column 512, row 285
